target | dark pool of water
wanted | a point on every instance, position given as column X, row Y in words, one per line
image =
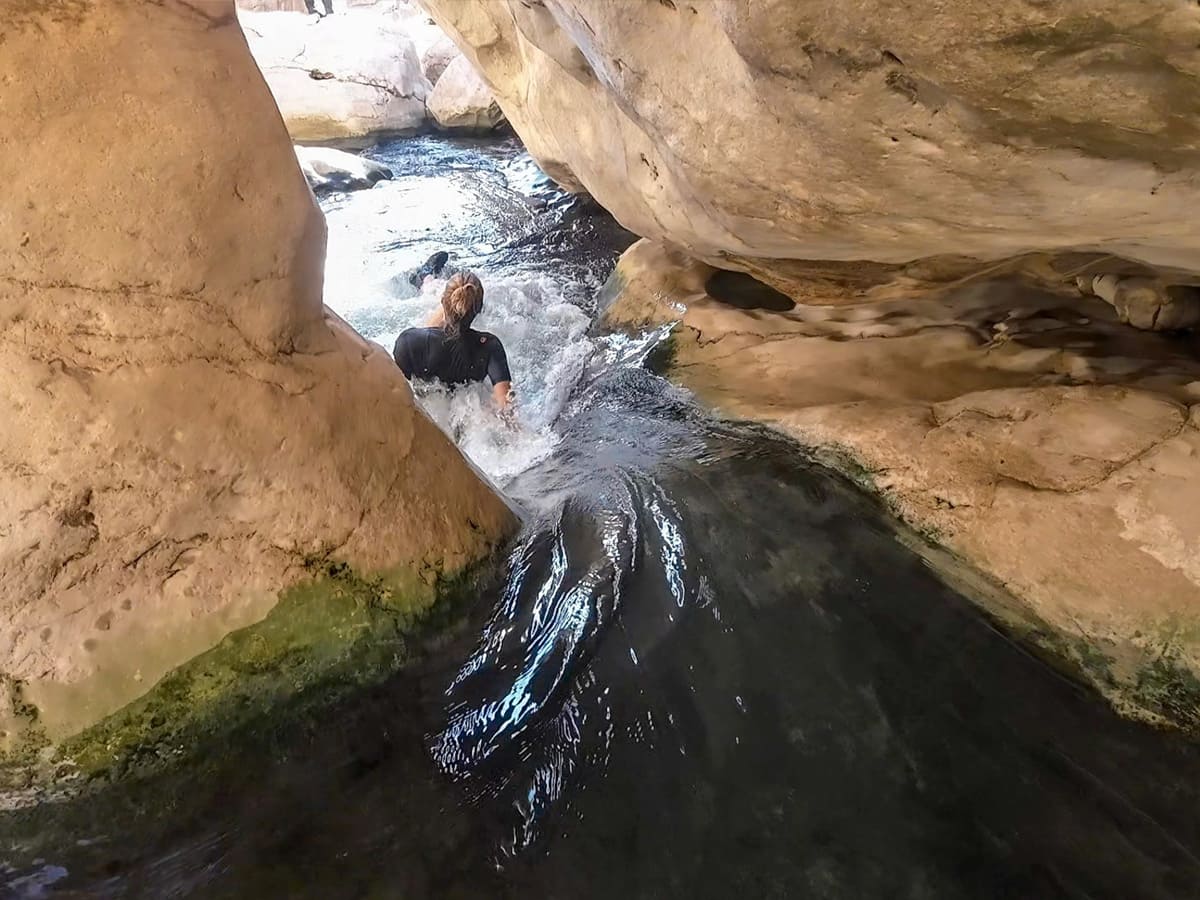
column 711, row 670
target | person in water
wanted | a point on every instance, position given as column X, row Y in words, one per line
column 449, row 350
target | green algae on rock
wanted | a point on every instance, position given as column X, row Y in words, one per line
column 21, row 734
column 331, row 634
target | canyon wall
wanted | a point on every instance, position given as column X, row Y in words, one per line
column 1050, row 447
column 188, row 430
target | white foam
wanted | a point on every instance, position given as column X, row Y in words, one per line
column 545, row 338
column 365, row 262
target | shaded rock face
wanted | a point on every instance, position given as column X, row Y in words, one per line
column 753, row 133
column 1020, row 426
column 437, row 56
column 352, row 76
column 461, row 101
column 327, row 169
column 194, row 427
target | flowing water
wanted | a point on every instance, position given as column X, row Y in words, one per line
column 710, row 670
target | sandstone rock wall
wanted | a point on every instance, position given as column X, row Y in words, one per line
column 186, row 426
column 753, row 132
column 353, row 76
column 927, row 183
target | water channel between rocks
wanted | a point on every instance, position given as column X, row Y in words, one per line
column 710, row 670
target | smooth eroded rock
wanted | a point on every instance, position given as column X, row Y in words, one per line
column 1021, row 427
column 751, row 134
column 1147, row 303
column 461, row 101
column 327, row 169
column 196, row 431
column 437, row 56
column 351, row 76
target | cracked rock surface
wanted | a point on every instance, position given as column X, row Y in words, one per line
column 352, row 76
column 185, row 424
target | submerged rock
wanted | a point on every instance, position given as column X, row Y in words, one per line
column 196, row 429
column 461, row 101
column 327, row 169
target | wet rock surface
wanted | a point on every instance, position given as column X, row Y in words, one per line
column 1025, row 428
column 327, row 169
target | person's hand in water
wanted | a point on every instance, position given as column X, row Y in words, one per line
column 506, row 406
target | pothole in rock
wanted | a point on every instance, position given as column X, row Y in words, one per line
column 746, row 292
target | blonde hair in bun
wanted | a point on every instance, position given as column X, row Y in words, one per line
column 462, row 301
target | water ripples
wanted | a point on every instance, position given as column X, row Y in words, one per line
column 526, row 708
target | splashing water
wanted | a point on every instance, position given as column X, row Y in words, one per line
column 537, row 318
column 546, row 340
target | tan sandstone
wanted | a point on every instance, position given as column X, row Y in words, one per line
column 461, row 101
column 186, row 425
column 967, row 206
column 1026, row 430
column 750, row 134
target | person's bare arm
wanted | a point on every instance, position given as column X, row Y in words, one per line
column 503, row 394
column 501, row 378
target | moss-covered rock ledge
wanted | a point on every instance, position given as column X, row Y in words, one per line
column 336, row 632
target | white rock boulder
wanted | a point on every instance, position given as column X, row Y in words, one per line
column 350, row 76
column 462, row 101
column 327, row 169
